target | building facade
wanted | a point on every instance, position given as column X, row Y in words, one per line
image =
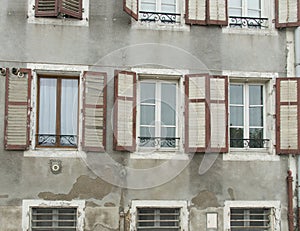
column 149, row 115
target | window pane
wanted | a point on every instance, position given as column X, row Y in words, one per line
column 148, row 5
column 256, row 95
column 168, row 6
column 236, row 116
column 256, row 136
column 256, row 116
column 168, row 137
column 147, row 114
column 168, row 104
column 236, row 94
column 47, row 112
column 236, row 137
column 147, row 135
column 235, row 3
column 254, row 4
column 69, row 111
column 147, row 92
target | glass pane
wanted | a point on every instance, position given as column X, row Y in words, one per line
column 148, row 5
column 256, row 138
column 168, row 135
column 236, row 137
column 236, row 116
column 254, row 14
column 254, row 4
column 147, row 135
column 235, row 3
column 236, row 94
column 168, row 6
column 147, row 92
column 256, row 95
column 47, row 112
column 235, row 12
column 147, row 114
column 168, row 104
column 256, row 116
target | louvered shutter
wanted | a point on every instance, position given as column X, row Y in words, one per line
column 217, row 12
column 94, row 111
column 195, row 12
column 46, row 8
column 125, row 111
column 131, row 8
column 196, row 113
column 17, row 111
column 218, row 106
column 287, row 116
column 287, row 13
column 72, row 8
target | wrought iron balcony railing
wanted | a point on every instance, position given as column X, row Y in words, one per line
column 168, row 18
column 162, row 142
column 57, row 140
column 248, row 22
column 249, row 143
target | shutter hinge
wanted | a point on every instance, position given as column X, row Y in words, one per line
column 33, row 7
column 82, row 10
column 183, row 82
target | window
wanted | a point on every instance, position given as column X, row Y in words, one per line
column 247, row 115
column 164, row 11
column 38, row 215
column 159, row 215
column 246, row 14
column 250, row 219
column 57, row 111
column 158, row 114
column 158, row 218
column 53, row 219
column 58, row 8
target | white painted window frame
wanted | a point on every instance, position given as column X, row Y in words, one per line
column 54, row 152
column 28, row 204
column 245, row 7
column 245, row 105
column 159, row 204
column 273, row 205
column 59, row 21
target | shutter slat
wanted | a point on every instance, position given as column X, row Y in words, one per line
column 287, row 13
column 287, row 116
column 72, row 8
column 46, row 8
column 195, row 12
column 131, row 8
column 125, row 111
column 217, row 12
column 17, row 111
column 94, row 111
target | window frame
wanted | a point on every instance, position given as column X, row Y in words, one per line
column 27, row 206
column 136, row 204
column 58, row 110
column 158, row 79
column 246, row 121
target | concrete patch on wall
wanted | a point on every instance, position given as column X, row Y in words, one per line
column 84, row 188
column 205, row 199
column 198, row 218
column 101, row 219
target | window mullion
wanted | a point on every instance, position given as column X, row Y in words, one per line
column 58, row 111
column 245, row 8
column 158, row 110
column 246, row 111
column 158, row 5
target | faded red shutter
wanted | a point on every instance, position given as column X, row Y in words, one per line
column 94, row 111
column 125, row 111
column 72, row 8
column 196, row 113
column 217, row 12
column 218, row 107
column 46, row 8
column 195, row 12
column 131, row 8
column 287, row 13
column 17, row 110
column 287, row 116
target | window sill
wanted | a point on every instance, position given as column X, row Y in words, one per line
column 58, row 21
column 55, row 153
column 159, row 26
column 160, row 155
column 247, row 31
column 261, row 154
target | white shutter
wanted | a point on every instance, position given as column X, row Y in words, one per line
column 287, row 13
column 287, row 116
column 217, row 12
column 196, row 12
column 17, row 110
column 131, row 8
column 125, row 111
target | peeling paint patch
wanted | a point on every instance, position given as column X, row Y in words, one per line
column 84, row 188
column 205, row 199
column 109, row 204
column 231, row 193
